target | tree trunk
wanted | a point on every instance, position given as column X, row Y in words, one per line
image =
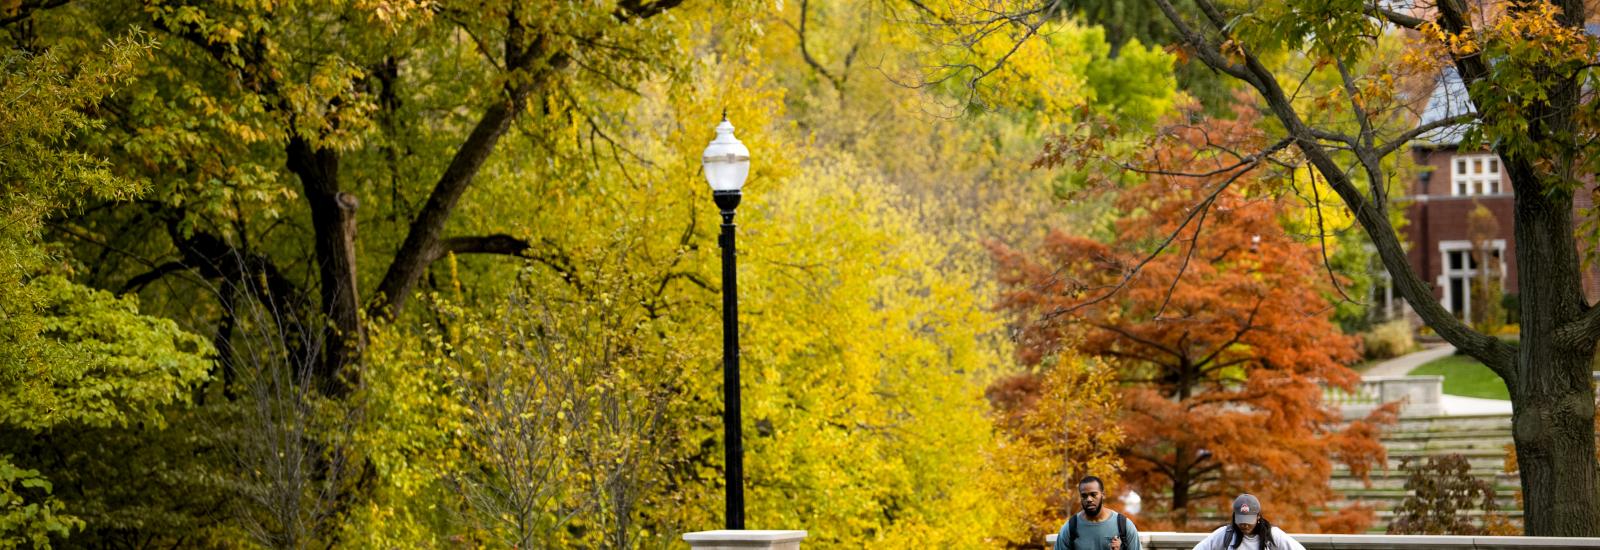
column 1180, row 489
column 1554, row 435
column 1552, row 402
column 333, row 220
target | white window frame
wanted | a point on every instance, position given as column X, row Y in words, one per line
column 1466, row 272
column 1476, row 174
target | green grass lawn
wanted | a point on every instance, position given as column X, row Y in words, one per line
column 1465, row 376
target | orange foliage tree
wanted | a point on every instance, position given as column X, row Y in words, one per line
column 1217, row 322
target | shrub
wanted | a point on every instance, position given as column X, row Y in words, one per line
column 1441, row 490
column 1512, row 308
column 1391, row 339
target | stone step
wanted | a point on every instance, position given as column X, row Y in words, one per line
column 1503, row 500
column 1481, row 467
column 1481, row 439
column 1449, row 438
column 1490, row 434
column 1442, row 446
column 1384, row 516
column 1477, row 459
column 1504, row 491
column 1395, row 479
column 1452, row 423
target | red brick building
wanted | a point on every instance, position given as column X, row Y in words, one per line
column 1453, row 183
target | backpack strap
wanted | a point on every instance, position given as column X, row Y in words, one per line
column 1122, row 529
column 1072, row 531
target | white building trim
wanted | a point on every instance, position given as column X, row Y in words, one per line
column 1462, row 268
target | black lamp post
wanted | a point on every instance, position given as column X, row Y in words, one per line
column 727, row 164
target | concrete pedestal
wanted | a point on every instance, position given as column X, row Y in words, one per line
column 744, row 540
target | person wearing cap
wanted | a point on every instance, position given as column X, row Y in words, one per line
column 1096, row 527
column 1247, row 530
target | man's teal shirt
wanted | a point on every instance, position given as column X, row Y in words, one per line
column 1097, row 535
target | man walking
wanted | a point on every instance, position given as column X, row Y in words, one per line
column 1096, row 527
column 1247, row 530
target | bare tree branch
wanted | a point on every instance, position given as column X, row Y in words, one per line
column 1243, row 167
column 1322, row 240
column 1198, row 211
column 805, row 53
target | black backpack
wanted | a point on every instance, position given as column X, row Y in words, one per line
column 1122, row 530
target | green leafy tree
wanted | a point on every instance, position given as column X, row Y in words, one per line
column 71, row 358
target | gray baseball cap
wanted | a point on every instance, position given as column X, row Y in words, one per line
column 1246, row 509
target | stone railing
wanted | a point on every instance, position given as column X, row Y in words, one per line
column 1186, row 541
column 790, row 540
column 1419, row 395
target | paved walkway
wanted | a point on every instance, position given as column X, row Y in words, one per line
column 1455, row 405
column 1451, row 405
column 1402, row 365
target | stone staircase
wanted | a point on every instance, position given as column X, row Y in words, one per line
column 1481, row 439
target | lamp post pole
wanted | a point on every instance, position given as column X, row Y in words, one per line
column 727, row 163
column 733, row 441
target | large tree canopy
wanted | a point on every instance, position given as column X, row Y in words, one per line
column 457, row 264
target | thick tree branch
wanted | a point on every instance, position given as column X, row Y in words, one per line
column 506, row 245
column 26, row 9
column 1395, row 17
column 534, row 69
column 422, row 240
column 1584, row 330
column 139, row 281
column 1406, row 137
column 1209, row 53
column 502, row 244
column 1453, row 19
column 630, row 10
column 1119, row 331
column 1330, row 135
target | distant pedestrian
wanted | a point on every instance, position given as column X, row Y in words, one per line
column 1247, row 530
column 1096, row 527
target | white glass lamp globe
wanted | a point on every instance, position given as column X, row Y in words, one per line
column 726, row 161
